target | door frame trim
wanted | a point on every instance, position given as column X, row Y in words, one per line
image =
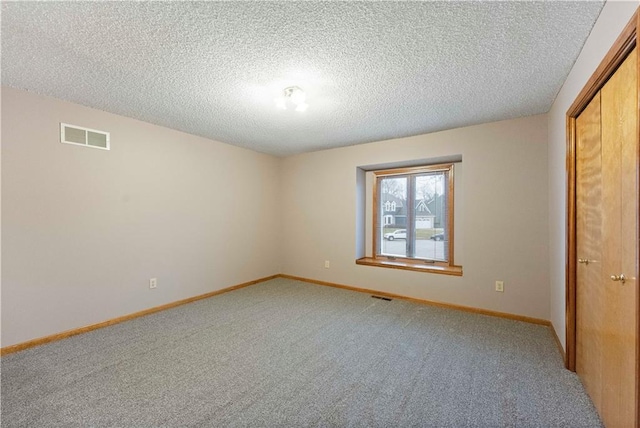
column 623, row 45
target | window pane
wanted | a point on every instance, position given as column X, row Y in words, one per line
column 392, row 218
column 431, row 239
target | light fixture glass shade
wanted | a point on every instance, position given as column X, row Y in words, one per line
column 298, row 96
column 293, row 95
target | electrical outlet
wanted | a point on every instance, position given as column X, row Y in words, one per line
column 153, row 282
column 327, row 264
column 500, row 286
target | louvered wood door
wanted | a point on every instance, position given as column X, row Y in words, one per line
column 607, row 247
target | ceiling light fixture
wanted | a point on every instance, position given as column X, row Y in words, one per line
column 295, row 96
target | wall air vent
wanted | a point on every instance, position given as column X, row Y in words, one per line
column 72, row 134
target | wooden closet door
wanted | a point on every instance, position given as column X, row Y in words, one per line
column 590, row 298
column 607, row 245
column 619, row 101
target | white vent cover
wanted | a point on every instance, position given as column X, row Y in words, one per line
column 72, row 134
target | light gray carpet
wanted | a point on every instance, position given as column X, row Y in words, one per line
column 289, row 354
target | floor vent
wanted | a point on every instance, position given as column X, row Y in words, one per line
column 382, row 298
column 72, row 134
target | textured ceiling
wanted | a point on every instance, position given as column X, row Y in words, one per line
column 371, row 70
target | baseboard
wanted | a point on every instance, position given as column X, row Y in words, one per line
column 559, row 343
column 59, row 336
column 424, row 301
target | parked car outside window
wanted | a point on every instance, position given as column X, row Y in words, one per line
column 396, row 234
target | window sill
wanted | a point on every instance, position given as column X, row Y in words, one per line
column 414, row 265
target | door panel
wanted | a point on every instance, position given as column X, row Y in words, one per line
column 619, row 154
column 589, row 293
column 607, row 245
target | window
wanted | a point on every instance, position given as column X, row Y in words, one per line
column 418, row 234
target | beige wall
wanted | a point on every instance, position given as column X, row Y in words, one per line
column 614, row 16
column 501, row 236
column 83, row 229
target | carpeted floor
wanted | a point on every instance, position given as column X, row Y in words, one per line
column 290, row 354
